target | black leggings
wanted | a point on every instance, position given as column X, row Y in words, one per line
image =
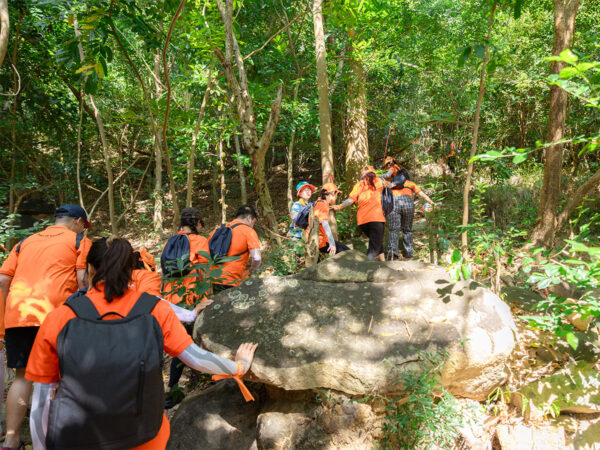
column 339, row 247
column 374, row 231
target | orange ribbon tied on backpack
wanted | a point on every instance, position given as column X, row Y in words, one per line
column 241, row 369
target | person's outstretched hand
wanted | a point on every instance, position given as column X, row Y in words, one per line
column 202, row 306
column 331, row 250
column 245, row 352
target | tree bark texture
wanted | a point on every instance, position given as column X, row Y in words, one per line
column 327, row 171
column 222, row 182
column 565, row 12
column 355, row 136
column 256, row 147
column 12, row 205
column 241, row 171
column 486, row 58
column 4, row 29
column 290, row 158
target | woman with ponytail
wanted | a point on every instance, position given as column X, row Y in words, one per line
column 74, row 385
column 369, row 217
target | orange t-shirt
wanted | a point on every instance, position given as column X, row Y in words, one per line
column 368, row 201
column 243, row 239
column 43, row 364
column 409, row 189
column 197, row 243
column 43, row 275
column 146, row 281
column 321, row 211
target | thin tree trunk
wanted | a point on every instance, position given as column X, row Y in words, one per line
column 486, row 58
column 565, row 12
column 166, row 119
column 4, row 29
column 11, row 190
column 241, row 170
column 323, row 92
column 223, row 184
column 290, row 159
column 79, row 191
column 190, row 173
column 357, row 143
column 158, row 196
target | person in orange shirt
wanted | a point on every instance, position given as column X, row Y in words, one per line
column 190, row 223
column 244, row 244
column 401, row 217
column 144, row 275
column 111, row 295
column 369, row 217
column 39, row 274
column 327, row 198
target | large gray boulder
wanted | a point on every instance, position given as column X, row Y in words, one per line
column 354, row 326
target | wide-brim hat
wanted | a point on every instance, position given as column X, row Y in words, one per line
column 305, row 185
column 330, row 188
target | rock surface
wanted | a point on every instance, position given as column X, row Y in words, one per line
column 353, row 325
column 217, row 418
column 575, row 389
column 521, row 436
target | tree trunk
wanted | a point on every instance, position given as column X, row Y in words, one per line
column 190, row 173
column 166, row 119
column 158, row 196
column 223, row 184
column 290, row 158
column 327, row 172
column 311, row 255
column 565, row 12
column 486, row 58
column 357, row 144
column 4, row 28
column 13, row 162
column 241, row 171
column 257, row 148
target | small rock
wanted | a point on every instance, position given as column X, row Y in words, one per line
column 523, row 437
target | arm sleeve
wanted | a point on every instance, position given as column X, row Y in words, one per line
column 347, row 202
column 203, row 361
column 353, row 195
column 40, row 407
column 328, row 233
column 183, row 314
column 388, row 174
column 82, row 252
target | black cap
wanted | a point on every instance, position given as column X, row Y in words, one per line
column 71, row 210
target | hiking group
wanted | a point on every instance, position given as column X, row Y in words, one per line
column 69, row 305
column 388, row 198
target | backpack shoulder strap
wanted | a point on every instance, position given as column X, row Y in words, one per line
column 144, row 305
column 78, row 240
column 18, row 249
column 83, row 307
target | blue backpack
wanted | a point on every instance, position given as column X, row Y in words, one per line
column 387, row 199
column 175, row 257
column 219, row 243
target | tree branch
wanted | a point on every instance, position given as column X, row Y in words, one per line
column 576, row 198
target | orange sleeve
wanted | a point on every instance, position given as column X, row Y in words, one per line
column 252, row 237
column 10, row 265
column 148, row 281
column 82, row 252
column 42, row 365
column 176, row 338
column 416, row 189
column 200, row 244
column 355, row 192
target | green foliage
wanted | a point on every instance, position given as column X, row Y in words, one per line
column 423, row 414
column 284, row 259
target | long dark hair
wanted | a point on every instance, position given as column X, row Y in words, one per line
column 369, row 178
column 113, row 260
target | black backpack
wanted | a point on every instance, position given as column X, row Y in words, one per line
column 387, row 199
column 111, row 392
column 301, row 219
column 175, row 257
column 219, row 243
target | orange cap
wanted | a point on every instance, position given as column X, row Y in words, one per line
column 330, row 187
column 367, row 169
column 388, row 160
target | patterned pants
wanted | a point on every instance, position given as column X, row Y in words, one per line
column 401, row 219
